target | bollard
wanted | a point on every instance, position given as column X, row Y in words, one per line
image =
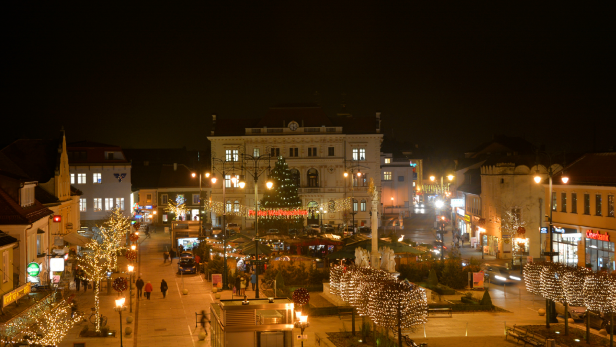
column 466, row 333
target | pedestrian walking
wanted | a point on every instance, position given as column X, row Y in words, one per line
column 253, row 279
column 237, row 285
column 139, row 285
column 181, row 249
column 84, row 281
column 203, row 320
column 165, row 256
column 148, row 290
column 243, row 285
column 164, row 288
column 77, row 279
column 172, row 255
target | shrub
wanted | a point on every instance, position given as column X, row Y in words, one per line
column 486, row 300
column 432, row 279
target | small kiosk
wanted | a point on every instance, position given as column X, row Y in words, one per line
column 252, row 323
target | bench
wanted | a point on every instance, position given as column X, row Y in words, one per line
column 523, row 335
column 441, row 310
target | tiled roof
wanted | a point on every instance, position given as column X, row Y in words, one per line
column 507, row 144
column 38, row 159
column 592, row 169
column 145, row 176
column 89, row 144
column 6, row 239
column 11, row 213
column 43, row 196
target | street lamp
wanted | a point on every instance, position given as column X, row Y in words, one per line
column 130, row 287
column 392, row 204
column 301, row 323
column 119, row 308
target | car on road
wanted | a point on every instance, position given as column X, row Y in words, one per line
column 273, row 232
column 364, row 230
column 187, row 265
column 234, row 227
column 500, row 274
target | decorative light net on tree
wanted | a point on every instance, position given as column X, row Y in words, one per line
column 532, row 277
column 348, row 284
column 597, row 292
column 551, row 282
column 396, row 300
column 335, row 273
column 573, row 285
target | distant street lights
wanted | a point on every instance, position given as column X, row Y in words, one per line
column 130, row 287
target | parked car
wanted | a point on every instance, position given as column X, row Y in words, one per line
column 500, row 274
column 347, row 231
column 364, row 230
column 273, row 232
column 187, row 265
column 216, row 231
column 293, row 232
column 575, row 312
column 186, row 254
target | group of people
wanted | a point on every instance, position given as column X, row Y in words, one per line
column 169, row 255
column 80, row 279
column 241, row 282
column 147, row 288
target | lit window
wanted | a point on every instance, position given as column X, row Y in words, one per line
column 256, row 152
column 573, row 202
column 563, row 202
column 81, row 178
column 108, row 204
column 610, row 205
column 236, row 206
column 72, row 178
column 232, row 155
column 98, row 204
column 363, row 205
column 387, row 176
column 586, row 203
column 82, row 205
column 96, row 178
column 5, row 266
column 27, row 196
column 229, row 182
column 354, row 205
column 195, row 199
column 120, row 203
column 228, row 206
column 554, row 201
column 387, row 160
column 148, row 197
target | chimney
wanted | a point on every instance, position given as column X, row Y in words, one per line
column 175, row 166
column 213, row 124
column 378, row 122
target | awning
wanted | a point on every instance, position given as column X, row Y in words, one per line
column 76, row 239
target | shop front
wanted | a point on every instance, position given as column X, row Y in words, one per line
column 599, row 250
column 565, row 241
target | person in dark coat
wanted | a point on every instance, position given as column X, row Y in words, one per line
column 77, row 279
column 237, row 285
column 165, row 256
column 172, row 255
column 164, row 288
column 139, row 285
column 253, row 279
column 84, row 281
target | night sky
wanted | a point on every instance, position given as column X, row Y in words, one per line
column 446, row 77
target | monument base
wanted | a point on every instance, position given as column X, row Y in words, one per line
column 375, row 260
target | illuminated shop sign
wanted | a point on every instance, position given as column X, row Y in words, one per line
column 278, row 213
column 597, row 236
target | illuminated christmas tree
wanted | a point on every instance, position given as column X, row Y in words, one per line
column 282, row 196
column 102, row 254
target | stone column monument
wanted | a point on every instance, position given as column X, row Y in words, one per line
column 374, row 225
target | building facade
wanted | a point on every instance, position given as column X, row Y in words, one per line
column 583, row 212
column 317, row 148
column 102, row 173
column 400, row 179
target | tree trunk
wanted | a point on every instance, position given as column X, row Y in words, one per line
column 97, row 306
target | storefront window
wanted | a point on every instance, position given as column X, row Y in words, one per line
column 567, row 246
column 600, row 255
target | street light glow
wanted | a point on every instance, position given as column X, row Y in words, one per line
column 358, row 174
column 131, row 268
column 193, row 175
column 133, row 247
column 537, row 179
column 207, row 175
column 120, row 302
column 242, row 184
column 346, row 174
column 450, row 177
column 565, row 179
column 269, row 184
column 432, row 178
column 439, row 203
column 213, row 179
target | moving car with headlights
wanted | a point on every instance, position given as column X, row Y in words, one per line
column 500, row 274
column 187, row 265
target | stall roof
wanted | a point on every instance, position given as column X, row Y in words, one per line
column 76, row 239
column 249, row 248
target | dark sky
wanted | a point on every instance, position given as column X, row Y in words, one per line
column 447, row 77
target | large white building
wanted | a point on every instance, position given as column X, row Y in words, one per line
column 319, row 149
column 103, row 174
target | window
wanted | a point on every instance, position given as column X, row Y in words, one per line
column 331, row 151
column 313, row 178
column 387, row 160
column 82, row 205
column 39, row 244
column 164, row 199
column 232, row 181
column 363, row 206
column 354, row 205
column 387, row 176
column 148, row 197
column 312, row 151
column 72, row 178
column 554, row 201
column 295, row 176
column 195, row 199
column 109, row 155
column 598, row 204
column 293, row 152
column 27, row 196
column 81, row 178
column 236, row 206
column 228, row 206
column 610, row 205
column 98, row 204
column 573, row 202
column 359, row 154
column 563, row 202
column 96, row 178
column 231, row 155
column 256, row 152
column 400, row 178
column 120, row 203
column 586, row 203
column 360, row 181
column 6, row 269
column 275, row 152
column 108, row 204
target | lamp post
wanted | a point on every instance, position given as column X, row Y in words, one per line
column 538, row 179
column 226, row 165
column 255, row 171
column 130, row 287
column 302, row 324
column 119, row 308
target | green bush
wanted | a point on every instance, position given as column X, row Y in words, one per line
column 486, row 300
column 432, row 279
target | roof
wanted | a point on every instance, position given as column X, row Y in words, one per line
column 145, row 176
column 304, row 115
column 11, row 213
column 75, row 191
column 472, row 182
column 182, row 177
column 37, row 159
column 90, row 144
column 6, row 239
column 159, row 156
column 504, row 144
column 592, row 169
column 43, row 196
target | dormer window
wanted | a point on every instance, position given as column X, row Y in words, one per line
column 26, row 195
